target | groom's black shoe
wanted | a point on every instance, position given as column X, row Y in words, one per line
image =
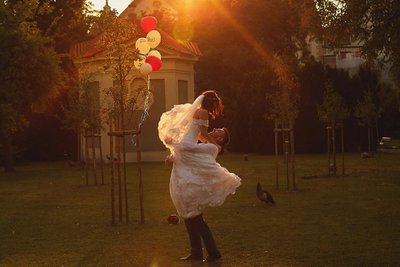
column 192, row 257
column 212, row 258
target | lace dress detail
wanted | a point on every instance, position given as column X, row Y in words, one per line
column 197, row 180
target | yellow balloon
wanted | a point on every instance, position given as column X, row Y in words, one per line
column 155, row 53
column 153, row 38
column 138, row 63
column 142, row 45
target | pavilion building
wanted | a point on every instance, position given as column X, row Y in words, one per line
column 172, row 84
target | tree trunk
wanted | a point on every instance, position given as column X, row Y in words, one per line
column 112, row 172
column 139, row 163
column 369, row 139
column 342, row 134
column 292, row 156
column 377, row 135
column 328, row 147
column 334, row 147
column 78, row 146
column 8, row 153
column 276, row 155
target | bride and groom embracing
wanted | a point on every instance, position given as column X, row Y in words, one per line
column 197, row 180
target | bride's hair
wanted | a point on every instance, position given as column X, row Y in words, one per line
column 212, row 103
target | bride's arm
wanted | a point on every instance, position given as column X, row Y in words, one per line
column 204, row 136
column 202, row 114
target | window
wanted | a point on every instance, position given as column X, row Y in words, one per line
column 183, row 92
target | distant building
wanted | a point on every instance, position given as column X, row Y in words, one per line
column 347, row 56
column 171, row 85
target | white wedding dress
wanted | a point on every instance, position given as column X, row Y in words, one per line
column 197, row 180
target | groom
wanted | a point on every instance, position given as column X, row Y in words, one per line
column 196, row 227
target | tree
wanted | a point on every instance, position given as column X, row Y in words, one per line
column 66, row 22
column 374, row 23
column 121, row 54
column 283, row 103
column 82, row 112
column 30, row 69
column 389, row 101
column 368, row 114
column 63, row 23
column 122, row 100
column 333, row 112
column 101, row 21
column 283, row 110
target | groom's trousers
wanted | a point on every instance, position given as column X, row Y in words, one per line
column 198, row 229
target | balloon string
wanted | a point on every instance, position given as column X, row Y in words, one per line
column 145, row 113
column 146, row 108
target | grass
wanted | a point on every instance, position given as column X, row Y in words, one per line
column 48, row 217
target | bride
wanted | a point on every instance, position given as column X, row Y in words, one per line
column 197, row 180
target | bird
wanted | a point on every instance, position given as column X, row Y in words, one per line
column 264, row 195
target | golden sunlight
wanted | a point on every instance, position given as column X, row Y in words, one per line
column 154, row 263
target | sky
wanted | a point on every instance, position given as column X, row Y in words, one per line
column 119, row 5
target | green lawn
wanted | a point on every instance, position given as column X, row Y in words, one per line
column 48, row 217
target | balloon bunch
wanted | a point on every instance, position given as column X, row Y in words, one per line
column 149, row 58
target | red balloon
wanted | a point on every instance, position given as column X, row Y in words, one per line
column 155, row 62
column 148, row 23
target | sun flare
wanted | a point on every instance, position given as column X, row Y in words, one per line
column 260, row 49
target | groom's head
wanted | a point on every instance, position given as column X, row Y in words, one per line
column 221, row 136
